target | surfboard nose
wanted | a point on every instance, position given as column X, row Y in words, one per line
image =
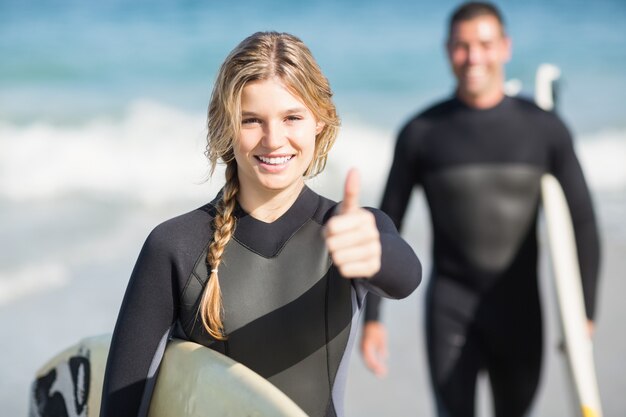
column 193, row 381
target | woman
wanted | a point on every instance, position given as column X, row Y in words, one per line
column 263, row 273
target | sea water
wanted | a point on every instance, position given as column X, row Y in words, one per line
column 103, row 113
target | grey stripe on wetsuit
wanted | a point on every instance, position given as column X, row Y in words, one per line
column 483, row 211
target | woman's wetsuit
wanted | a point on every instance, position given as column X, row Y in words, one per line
column 289, row 315
column 480, row 171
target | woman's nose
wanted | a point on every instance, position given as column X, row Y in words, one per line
column 273, row 135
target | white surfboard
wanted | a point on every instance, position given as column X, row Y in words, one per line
column 577, row 346
column 193, row 381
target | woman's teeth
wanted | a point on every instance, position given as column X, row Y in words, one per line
column 274, row 161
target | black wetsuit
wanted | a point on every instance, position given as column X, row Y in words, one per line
column 480, row 171
column 289, row 315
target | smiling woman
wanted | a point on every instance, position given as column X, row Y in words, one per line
column 269, row 273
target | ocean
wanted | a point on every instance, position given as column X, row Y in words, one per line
column 102, row 130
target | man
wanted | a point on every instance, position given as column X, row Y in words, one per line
column 479, row 157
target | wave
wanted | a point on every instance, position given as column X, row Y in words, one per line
column 155, row 153
column 30, row 279
column 152, row 153
column 603, row 158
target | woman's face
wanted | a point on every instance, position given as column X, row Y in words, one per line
column 276, row 142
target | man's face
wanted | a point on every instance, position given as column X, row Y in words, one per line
column 478, row 50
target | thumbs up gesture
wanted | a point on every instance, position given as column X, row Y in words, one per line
column 352, row 237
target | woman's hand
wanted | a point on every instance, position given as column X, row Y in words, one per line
column 351, row 235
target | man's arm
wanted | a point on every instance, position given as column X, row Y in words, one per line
column 400, row 182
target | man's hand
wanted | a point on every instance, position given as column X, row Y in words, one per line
column 374, row 347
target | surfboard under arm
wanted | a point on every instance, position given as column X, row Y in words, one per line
column 578, row 347
column 573, row 320
column 193, row 381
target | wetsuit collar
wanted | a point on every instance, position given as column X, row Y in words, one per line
column 460, row 103
column 267, row 239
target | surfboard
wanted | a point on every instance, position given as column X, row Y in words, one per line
column 193, row 381
column 577, row 345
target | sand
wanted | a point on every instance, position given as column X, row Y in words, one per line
column 43, row 323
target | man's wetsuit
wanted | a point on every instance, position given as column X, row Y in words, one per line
column 289, row 315
column 480, row 171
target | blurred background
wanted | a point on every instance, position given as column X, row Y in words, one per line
column 102, row 126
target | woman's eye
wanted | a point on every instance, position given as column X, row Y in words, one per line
column 250, row 120
column 293, row 118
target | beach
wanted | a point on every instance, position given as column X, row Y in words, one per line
column 83, row 284
column 102, row 134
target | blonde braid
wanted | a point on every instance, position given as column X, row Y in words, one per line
column 212, row 310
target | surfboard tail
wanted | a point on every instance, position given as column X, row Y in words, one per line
column 590, row 412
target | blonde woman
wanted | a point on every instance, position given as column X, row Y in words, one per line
column 269, row 273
